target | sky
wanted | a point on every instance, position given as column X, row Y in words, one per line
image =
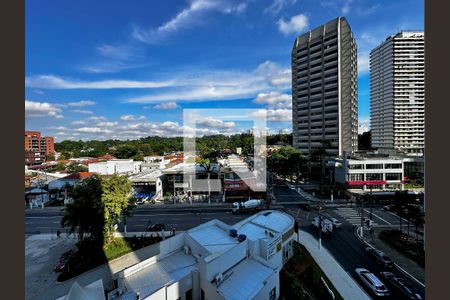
column 127, row 69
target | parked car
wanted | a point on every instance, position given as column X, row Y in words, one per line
column 382, row 258
column 372, row 282
column 155, row 227
column 305, row 206
column 400, row 285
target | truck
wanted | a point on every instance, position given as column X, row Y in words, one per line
column 325, row 224
column 247, row 206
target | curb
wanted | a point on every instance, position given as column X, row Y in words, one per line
column 397, row 267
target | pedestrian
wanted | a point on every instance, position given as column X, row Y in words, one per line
column 58, row 233
column 173, row 231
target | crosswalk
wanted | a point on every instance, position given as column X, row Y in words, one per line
column 352, row 215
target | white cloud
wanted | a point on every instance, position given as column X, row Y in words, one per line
column 97, row 118
column 93, row 130
column 277, row 6
column 274, row 115
column 187, row 18
column 167, row 105
column 346, row 7
column 56, row 128
column 131, row 118
column 82, row 111
column 363, row 125
column 42, row 109
column 215, row 123
column 106, row 124
column 296, row 24
column 81, row 103
column 55, row 82
column 78, row 122
column 274, row 99
column 223, row 85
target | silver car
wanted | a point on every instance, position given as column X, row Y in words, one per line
column 372, row 282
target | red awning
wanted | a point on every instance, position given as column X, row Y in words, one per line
column 367, row 182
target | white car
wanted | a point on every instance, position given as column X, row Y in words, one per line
column 336, row 222
column 372, row 282
column 292, row 187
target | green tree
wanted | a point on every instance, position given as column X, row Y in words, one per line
column 139, row 156
column 85, row 214
column 76, row 167
column 286, row 161
column 320, row 154
column 125, row 151
column 116, row 198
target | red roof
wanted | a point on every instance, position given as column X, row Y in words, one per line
column 79, row 175
column 106, row 156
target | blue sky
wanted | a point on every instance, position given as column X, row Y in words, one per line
column 116, row 69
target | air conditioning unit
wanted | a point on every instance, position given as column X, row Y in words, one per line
column 187, row 250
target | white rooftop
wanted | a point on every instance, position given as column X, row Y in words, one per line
column 213, row 238
column 269, row 219
column 155, row 276
column 245, row 281
column 150, row 176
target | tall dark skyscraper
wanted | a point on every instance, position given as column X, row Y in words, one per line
column 324, row 89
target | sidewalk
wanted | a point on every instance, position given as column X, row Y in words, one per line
column 342, row 281
column 401, row 260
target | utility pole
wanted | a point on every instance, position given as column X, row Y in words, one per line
column 371, row 203
column 362, row 214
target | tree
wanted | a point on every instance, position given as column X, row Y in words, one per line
column 76, row 167
column 139, row 156
column 208, row 157
column 85, row 213
column 125, row 151
column 116, row 198
column 50, row 157
column 320, row 154
column 365, row 141
column 286, row 161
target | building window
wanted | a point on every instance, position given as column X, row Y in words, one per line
column 374, row 176
column 356, row 177
column 393, row 166
column 374, row 166
column 393, row 176
column 356, row 166
column 273, row 294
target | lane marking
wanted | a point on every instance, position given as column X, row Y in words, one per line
column 373, row 214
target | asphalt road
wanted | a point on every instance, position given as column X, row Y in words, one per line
column 343, row 244
column 37, row 222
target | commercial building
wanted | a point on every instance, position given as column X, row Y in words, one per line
column 215, row 261
column 376, row 173
column 37, row 147
column 397, row 93
column 115, row 166
column 324, row 89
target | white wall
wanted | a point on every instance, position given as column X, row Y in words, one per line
column 225, row 261
column 272, row 282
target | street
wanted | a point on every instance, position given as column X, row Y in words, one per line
column 343, row 244
column 38, row 221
